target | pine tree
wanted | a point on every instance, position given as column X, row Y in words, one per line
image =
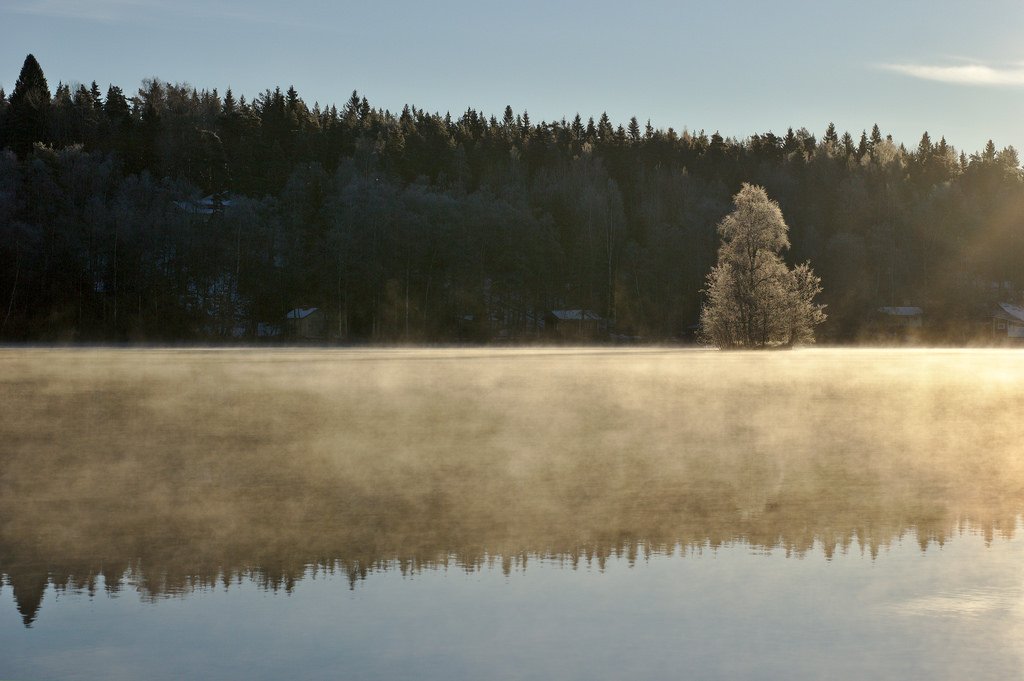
column 115, row 108
column 790, row 143
column 509, row 118
column 876, row 136
column 924, row 147
column 97, row 96
column 989, row 155
column 847, row 144
column 350, row 112
column 604, row 128
column 862, row 147
column 228, row 105
column 831, row 137
column 634, row 130
column 28, row 110
column 578, row 131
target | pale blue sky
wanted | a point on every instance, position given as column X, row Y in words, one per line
column 952, row 67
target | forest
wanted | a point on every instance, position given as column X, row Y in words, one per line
column 176, row 214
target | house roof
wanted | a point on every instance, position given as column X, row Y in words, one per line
column 301, row 312
column 901, row 311
column 1010, row 311
column 576, row 315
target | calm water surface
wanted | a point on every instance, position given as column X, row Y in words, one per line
column 542, row 513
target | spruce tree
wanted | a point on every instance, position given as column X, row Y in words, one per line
column 847, row 141
column 790, row 143
column 924, row 147
column 97, row 96
column 604, row 128
column 989, row 155
column 831, row 136
column 876, row 136
column 578, row 131
column 634, row 130
column 28, row 110
column 115, row 108
column 351, row 109
column 509, row 118
column 227, row 107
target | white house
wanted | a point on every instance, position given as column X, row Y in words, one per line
column 1008, row 321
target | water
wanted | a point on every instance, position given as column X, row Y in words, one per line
column 541, row 513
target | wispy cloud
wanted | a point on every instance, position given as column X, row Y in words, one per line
column 95, row 10
column 136, row 11
column 1010, row 75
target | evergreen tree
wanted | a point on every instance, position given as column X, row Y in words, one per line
column 876, row 136
column 847, row 144
column 634, row 130
column 97, row 96
column 578, row 132
column 862, row 146
column 924, row 147
column 116, row 110
column 350, row 112
column 831, row 137
column 790, row 143
column 228, row 105
column 509, row 118
column 989, row 155
column 28, row 109
column 605, row 132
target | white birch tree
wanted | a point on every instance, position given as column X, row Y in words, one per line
column 753, row 299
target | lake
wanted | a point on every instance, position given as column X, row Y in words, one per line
column 511, row 514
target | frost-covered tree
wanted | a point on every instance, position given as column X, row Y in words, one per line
column 753, row 299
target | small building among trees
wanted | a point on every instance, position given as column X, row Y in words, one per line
column 1008, row 321
column 306, row 323
column 573, row 323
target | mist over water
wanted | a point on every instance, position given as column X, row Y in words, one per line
column 168, row 472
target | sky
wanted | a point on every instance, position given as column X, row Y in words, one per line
column 954, row 68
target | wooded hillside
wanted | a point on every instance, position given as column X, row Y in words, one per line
column 424, row 226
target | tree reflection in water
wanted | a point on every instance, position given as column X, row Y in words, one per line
column 168, row 470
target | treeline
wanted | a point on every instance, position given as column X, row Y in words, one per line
column 417, row 225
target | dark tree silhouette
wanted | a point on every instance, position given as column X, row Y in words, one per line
column 26, row 118
column 209, row 216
